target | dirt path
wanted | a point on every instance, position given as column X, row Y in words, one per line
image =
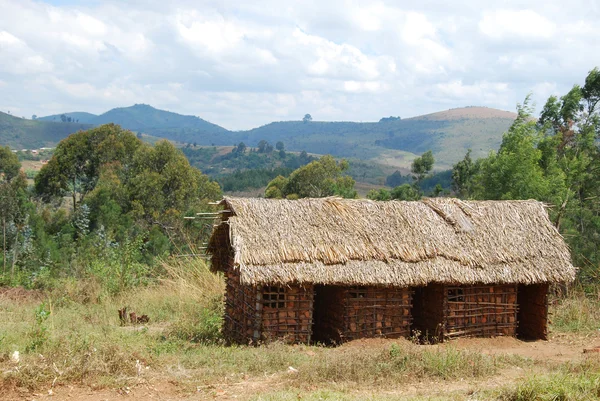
column 559, row 349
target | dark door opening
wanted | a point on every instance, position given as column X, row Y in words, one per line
column 328, row 314
column 532, row 317
column 428, row 313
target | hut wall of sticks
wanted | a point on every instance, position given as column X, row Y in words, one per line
column 333, row 269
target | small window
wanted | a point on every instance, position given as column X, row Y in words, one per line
column 358, row 292
column 274, row 297
column 456, row 295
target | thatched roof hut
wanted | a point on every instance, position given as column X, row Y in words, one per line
column 361, row 242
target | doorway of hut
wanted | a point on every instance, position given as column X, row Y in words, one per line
column 328, row 314
column 533, row 311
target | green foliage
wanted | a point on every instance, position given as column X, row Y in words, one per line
column 9, row 164
column 381, row 194
column 253, row 178
column 405, row 192
column 39, row 333
column 555, row 160
column 395, row 179
column 462, row 175
column 315, row 180
column 76, row 164
column 131, row 198
column 422, row 166
column 515, row 171
column 580, row 381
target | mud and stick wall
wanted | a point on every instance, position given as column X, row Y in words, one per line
column 287, row 313
column 240, row 310
column 480, row 311
column 376, row 312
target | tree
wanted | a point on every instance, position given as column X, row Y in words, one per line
column 163, row 184
column 75, row 166
column 405, row 192
column 276, row 187
column 307, row 118
column 462, row 176
column 279, row 146
column 394, row 179
column 9, row 164
column 34, row 117
column 381, row 195
column 262, row 146
column 63, row 118
column 13, row 183
column 323, row 177
column 515, row 171
column 421, row 167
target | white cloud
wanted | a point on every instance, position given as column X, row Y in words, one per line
column 516, row 24
column 243, row 64
column 366, row 86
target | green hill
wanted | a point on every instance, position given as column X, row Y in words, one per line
column 77, row 116
column 147, row 119
column 391, row 141
column 20, row 133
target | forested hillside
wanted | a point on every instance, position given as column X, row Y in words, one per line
column 392, row 140
column 77, row 117
column 19, row 133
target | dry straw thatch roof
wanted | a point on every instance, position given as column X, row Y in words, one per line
column 363, row 242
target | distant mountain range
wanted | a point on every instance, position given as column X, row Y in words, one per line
column 390, row 141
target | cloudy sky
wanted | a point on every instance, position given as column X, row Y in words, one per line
column 243, row 64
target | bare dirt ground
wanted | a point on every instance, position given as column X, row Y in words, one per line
column 559, row 349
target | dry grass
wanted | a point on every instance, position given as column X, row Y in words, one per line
column 72, row 342
column 568, row 382
column 81, row 342
column 579, row 312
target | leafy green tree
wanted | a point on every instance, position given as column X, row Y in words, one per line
column 320, row 178
column 515, row 171
column 163, row 184
column 262, row 146
column 9, row 164
column 75, row 166
column 405, row 192
column 275, row 188
column 279, row 146
column 422, row 166
column 395, row 179
column 307, row 118
column 380, row 194
column 462, row 176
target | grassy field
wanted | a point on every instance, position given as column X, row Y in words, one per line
column 71, row 343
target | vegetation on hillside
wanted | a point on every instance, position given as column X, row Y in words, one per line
column 21, row 133
column 447, row 134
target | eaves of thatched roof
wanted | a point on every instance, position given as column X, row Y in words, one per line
column 363, row 242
